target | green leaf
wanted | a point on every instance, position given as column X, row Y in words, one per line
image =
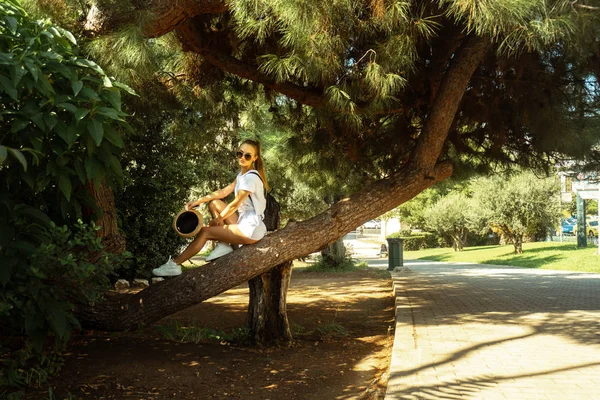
column 125, row 88
column 68, row 35
column 28, row 178
column 76, row 86
column 69, row 107
column 115, row 165
column 62, row 69
column 6, row 59
column 71, row 135
column 18, row 125
column 80, row 171
column 38, row 119
column 8, row 87
column 50, row 119
column 33, row 69
column 109, row 112
column 58, row 318
column 106, row 81
column 82, row 62
column 44, row 86
column 113, row 137
column 89, row 93
column 12, row 24
column 35, row 213
column 92, row 168
column 16, row 73
column 19, row 156
column 3, row 153
column 81, row 113
column 64, row 182
column 113, row 96
column 96, row 130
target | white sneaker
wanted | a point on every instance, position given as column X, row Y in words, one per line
column 167, row 269
column 219, row 251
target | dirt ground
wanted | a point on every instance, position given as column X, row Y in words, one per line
column 343, row 332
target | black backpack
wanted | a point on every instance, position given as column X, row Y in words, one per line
column 272, row 211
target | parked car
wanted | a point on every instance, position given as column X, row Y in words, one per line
column 567, row 226
column 372, row 224
column 591, row 228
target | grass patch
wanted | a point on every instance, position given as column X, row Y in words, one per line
column 349, row 265
column 331, row 329
column 543, row 255
column 195, row 333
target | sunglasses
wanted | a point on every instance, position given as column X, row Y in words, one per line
column 246, row 156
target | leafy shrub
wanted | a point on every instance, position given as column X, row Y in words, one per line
column 422, row 240
column 61, row 125
column 38, row 286
column 156, row 187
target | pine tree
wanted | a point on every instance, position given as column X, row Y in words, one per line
column 401, row 91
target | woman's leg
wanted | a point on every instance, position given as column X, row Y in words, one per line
column 227, row 233
column 216, row 206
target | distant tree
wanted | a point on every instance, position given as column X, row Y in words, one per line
column 452, row 216
column 517, row 206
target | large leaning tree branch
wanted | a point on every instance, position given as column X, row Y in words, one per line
column 446, row 103
column 123, row 312
column 157, row 17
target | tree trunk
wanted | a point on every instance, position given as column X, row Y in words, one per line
column 457, row 242
column 267, row 308
column 518, row 243
column 335, row 254
column 106, row 219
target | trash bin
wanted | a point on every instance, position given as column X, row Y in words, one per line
column 395, row 256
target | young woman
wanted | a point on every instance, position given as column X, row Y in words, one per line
column 239, row 222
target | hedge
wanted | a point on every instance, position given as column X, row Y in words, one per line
column 424, row 240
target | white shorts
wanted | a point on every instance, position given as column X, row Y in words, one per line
column 252, row 226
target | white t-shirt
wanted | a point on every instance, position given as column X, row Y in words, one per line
column 256, row 202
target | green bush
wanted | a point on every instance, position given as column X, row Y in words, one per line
column 61, row 125
column 39, row 285
column 422, row 240
column 156, row 187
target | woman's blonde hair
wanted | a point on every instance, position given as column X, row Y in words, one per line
column 258, row 164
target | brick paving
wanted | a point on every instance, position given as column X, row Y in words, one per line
column 469, row 331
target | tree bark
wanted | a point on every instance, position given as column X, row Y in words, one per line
column 447, row 101
column 457, row 242
column 267, row 307
column 112, row 239
column 156, row 17
column 518, row 243
column 335, row 254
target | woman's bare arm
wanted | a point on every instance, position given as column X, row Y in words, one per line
column 216, row 195
column 231, row 207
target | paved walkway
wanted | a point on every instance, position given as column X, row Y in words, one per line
column 468, row 331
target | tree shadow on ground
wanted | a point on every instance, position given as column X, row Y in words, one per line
column 507, row 305
column 469, row 387
column 525, row 260
column 342, row 359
